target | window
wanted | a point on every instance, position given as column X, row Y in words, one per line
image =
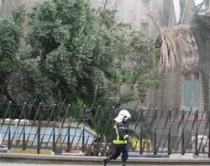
column 196, row 94
column 145, row 30
column 132, row 14
column 166, row 11
column 191, row 90
column 5, row 6
column 187, row 91
column 207, row 2
column 1, row 7
column 182, row 6
column 145, row 7
column 142, row 101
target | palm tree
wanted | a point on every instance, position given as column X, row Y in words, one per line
column 177, row 46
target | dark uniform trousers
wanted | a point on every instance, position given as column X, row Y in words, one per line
column 120, row 149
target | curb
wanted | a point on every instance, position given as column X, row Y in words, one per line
column 85, row 159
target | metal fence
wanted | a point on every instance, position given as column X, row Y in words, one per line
column 66, row 129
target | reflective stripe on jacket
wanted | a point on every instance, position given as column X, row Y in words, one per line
column 120, row 135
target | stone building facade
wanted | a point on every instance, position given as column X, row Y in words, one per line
column 134, row 12
column 181, row 91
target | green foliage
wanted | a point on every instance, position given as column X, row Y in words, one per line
column 143, row 73
column 77, row 51
column 37, row 86
column 72, row 53
column 10, row 38
column 18, row 15
column 10, row 33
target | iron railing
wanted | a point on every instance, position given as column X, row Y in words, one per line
column 66, row 129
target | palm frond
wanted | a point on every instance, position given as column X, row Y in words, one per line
column 178, row 48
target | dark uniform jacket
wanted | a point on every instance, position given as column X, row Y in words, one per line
column 120, row 134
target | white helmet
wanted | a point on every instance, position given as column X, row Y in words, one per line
column 123, row 115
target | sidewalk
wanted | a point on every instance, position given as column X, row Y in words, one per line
column 57, row 160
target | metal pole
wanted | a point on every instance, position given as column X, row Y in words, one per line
column 155, row 134
column 83, row 130
column 9, row 132
column 69, row 134
column 169, row 132
column 39, row 130
column 141, row 133
column 24, row 133
column 196, row 133
column 209, row 134
column 182, row 128
column 54, row 121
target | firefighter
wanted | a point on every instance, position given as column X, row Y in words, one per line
column 120, row 138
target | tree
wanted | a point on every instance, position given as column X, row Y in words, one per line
column 177, row 46
column 73, row 53
column 76, row 50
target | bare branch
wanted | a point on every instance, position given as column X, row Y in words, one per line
column 116, row 4
column 105, row 4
